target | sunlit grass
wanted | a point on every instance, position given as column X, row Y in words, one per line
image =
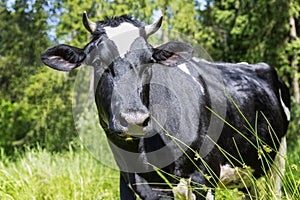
column 39, row 174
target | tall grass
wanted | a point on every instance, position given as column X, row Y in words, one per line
column 38, row 174
column 264, row 187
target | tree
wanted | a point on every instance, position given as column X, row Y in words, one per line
column 21, row 25
column 257, row 31
column 293, row 56
column 71, row 30
column 32, row 99
column 294, row 47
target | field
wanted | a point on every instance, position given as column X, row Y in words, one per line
column 38, row 174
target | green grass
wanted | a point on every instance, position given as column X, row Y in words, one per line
column 38, row 174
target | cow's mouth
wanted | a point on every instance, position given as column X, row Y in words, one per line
column 134, row 130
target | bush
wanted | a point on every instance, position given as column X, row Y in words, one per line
column 15, row 123
column 44, row 116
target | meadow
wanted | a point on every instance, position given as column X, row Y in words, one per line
column 76, row 174
column 39, row 174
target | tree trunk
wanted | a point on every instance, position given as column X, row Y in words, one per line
column 295, row 83
column 165, row 31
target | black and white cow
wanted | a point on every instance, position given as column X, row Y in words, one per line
column 192, row 119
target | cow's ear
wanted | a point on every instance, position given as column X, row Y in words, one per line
column 173, row 53
column 63, row 57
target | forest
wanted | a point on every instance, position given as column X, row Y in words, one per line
column 41, row 155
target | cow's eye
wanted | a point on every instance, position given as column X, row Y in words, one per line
column 97, row 62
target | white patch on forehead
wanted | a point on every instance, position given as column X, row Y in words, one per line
column 285, row 108
column 123, row 36
column 184, row 68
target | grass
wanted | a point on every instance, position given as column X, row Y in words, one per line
column 264, row 186
column 39, row 174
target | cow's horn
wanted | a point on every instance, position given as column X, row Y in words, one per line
column 90, row 26
column 150, row 29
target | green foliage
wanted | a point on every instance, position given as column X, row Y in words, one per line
column 70, row 29
column 21, row 25
column 35, row 103
column 294, row 127
column 43, row 117
column 292, row 178
column 49, row 98
column 248, row 31
column 23, row 32
column 14, row 123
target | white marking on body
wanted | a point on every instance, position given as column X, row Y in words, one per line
column 196, row 59
column 209, row 195
column 235, row 177
column 200, row 59
column 184, row 68
column 285, row 108
column 123, row 36
column 183, row 190
column 245, row 63
column 278, row 169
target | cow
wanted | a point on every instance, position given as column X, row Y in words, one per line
column 178, row 125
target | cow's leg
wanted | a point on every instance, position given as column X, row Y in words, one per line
column 188, row 188
column 250, row 193
column 126, row 192
column 198, row 181
column 277, row 172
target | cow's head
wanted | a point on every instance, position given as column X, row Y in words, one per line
column 119, row 49
column 112, row 37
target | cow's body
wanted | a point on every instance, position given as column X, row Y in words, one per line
column 162, row 108
column 256, row 91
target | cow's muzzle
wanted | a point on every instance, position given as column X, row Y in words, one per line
column 136, row 118
column 134, row 122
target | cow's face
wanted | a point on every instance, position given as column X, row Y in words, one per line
column 122, row 90
column 120, row 51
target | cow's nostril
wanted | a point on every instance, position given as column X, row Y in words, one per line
column 123, row 121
